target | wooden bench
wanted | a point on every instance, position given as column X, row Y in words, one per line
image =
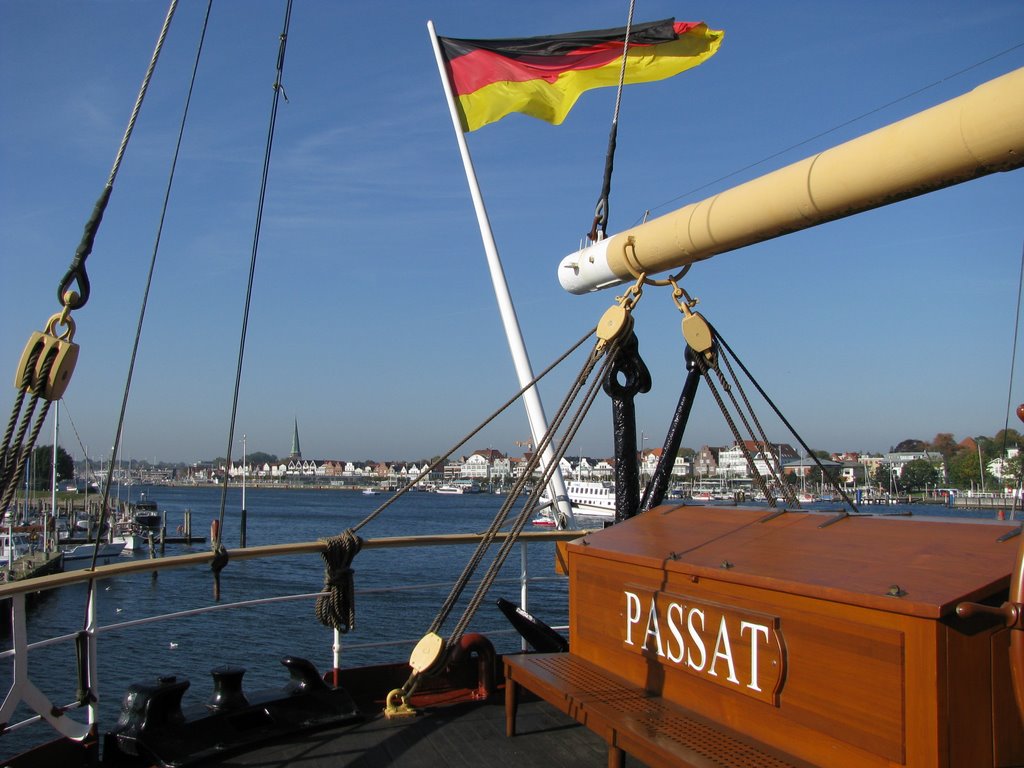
column 629, row 719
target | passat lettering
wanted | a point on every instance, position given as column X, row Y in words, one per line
column 722, row 644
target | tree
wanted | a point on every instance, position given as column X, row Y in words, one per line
column 1012, row 471
column 909, row 446
column 882, row 476
column 918, row 474
column 42, row 467
column 964, row 470
column 945, row 443
column 258, row 458
column 1011, row 438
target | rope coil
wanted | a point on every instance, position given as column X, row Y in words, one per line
column 337, row 609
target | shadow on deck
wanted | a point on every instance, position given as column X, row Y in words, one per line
column 457, row 735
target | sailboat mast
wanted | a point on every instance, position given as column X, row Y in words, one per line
column 53, row 476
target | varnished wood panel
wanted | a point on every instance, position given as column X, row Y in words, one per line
column 857, row 560
column 877, row 672
column 844, row 678
column 1008, row 727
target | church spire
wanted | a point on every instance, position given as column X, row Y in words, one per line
column 296, row 451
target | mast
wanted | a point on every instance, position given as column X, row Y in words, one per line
column 531, row 399
column 973, row 135
column 53, row 478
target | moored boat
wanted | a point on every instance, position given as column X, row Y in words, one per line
column 102, row 550
column 13, row 546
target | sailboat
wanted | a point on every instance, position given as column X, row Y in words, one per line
column 697, row 635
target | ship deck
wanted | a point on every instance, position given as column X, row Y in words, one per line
column 455, row 735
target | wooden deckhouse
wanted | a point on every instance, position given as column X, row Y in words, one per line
column 754, row 638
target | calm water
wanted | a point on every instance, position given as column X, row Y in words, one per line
column 256, row 638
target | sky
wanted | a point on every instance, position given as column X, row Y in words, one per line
column 373, row 324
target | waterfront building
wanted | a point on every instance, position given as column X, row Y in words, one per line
column 898, row 460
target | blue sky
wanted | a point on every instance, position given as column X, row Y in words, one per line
column 374, row 324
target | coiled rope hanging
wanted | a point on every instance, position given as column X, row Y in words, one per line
column 337, row 608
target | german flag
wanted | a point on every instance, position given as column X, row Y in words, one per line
column 543, row 76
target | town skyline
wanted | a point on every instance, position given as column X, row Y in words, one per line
column 519, row 450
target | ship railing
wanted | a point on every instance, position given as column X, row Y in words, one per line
column 85, row 642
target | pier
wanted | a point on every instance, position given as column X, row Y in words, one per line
column 33, row 565
column 1008, row 505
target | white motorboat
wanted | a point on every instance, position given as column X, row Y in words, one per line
column 13, row 546
column 107, row 549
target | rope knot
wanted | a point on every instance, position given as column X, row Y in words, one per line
column 337, row 609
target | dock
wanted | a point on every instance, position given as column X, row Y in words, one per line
column 36, row 564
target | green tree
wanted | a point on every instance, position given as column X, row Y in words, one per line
column 258, row 458
column 911, row 445
column 1012, row 471
column 964, row 470
column 881, row 477
column 42, row 467
column 918, row 474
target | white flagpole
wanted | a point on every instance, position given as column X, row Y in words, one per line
column 524, row 372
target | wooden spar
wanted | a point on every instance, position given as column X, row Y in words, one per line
column 973, row 135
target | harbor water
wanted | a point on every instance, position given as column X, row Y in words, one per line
column 257, row 638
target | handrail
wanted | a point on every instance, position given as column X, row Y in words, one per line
column 55, row 580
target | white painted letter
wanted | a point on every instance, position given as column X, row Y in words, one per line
column 632, row 615
column 755, row 631
column 697, row 641
column 723, row 651
column 653, row 628
column 675, row 609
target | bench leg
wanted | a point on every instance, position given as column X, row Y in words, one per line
column 511, row 705
column 616, row 757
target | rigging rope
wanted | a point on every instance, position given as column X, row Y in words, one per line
column 600, row 224
column 833, row 129
column 469, row 436
column 527, row 511
column 217, row 544
column 14, row 455
column 1013, row 359
column 337, row 608
column 784, row 420
column 129, row 378
column 76, row 271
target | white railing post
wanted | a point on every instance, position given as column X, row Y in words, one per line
column 524, row 583
column 90, row 642
column 336, row 649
